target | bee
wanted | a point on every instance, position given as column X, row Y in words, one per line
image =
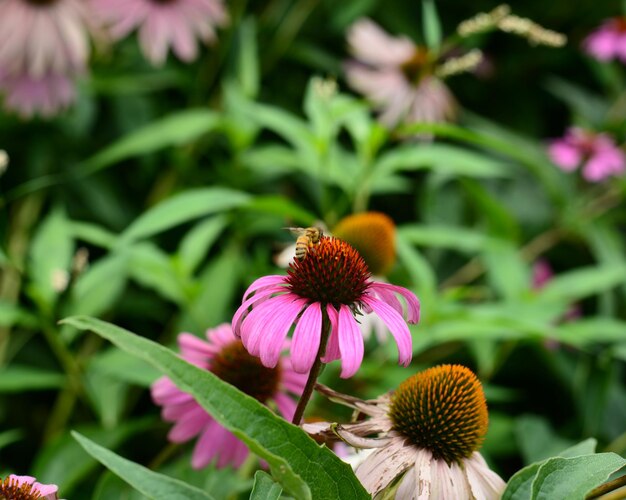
column 307, row 238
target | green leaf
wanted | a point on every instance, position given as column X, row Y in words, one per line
column 11, row 314
column 572, row 478
column 9, row 437
column 24, row 378
column 147, row 482
column 438, row 236
column 431, row 25
column 520, row 485
column 63, row 461
column 107, row 396
column 590, row 330
column 589, row 106
column 304, row 469
column 93, row 234
column 176, row 129
column 264, row 487
column 279, row 205
column 124, row 367
column 506, row 270
column 582, row 282
column 586, row 447
column 247, row 60
column 50, row 256
column 181, row 208
column 151, row 267
column 196, row 244
column 442, row 158
column 537, row 440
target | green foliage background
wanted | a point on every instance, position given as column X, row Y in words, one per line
column 178, row 181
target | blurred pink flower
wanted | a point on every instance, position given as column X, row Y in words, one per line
column 332, row 280
column 164, row 23
column 223, row 355
column 600, row 156
column 608, row 41
column 28, row 95
column 26, row 487
column 397, row 76
column 43, row 37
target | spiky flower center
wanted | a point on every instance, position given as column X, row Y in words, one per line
column 442, row 409
column 234, row 365
column 373, row 234
column 332, row 272
column 10, row 489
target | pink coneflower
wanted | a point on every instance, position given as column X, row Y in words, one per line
column 225, row 356
column 43, row 37
column 330, row 285
column 608, row 41
column 429, row 431
column 598, row 153
column 26, row 488
column 46, row 95
column 397, row 76
column 164, row 23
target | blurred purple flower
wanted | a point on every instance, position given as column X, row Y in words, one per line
column 225, row 356
column 14, row 487
column 600, row 156
column 608, row 42
column 43, row 37
column 332, row 279
column 164, row 23
column 397, row 76
column 28, row 95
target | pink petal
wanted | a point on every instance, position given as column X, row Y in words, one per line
column 243, row 311
column 350, row 343
column 306, row 338
column 207, row 445
column 332, row 348
column 272, row 343
column 257, row 323
column 413, row 304
column 164, row 392
column 264, row 282
column 189, row 425
column 396, row 326
column 564, row 154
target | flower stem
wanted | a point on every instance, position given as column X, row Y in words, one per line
column 315, row 369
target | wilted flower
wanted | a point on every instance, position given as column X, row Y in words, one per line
column 43, row 37
column 608, row 42
column 28, row 95
column 26, row 488
column 429, row 430
column 164, row 23
column 332, row 283
column 397, row 76
column 598, row 153
column 223, row 355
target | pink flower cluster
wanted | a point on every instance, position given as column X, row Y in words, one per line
column 46, row 43
column 598, row 154
column 608, row 42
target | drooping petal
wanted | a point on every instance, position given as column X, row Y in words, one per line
column 258, row 320
column 482, row 480
column 379, row 469
column 396, row 326
column 332, row 348
column 272, row 342
column 413, row 303
column 260, row 284
column 242, row 312
column 189, row 425
column 207, row 445
column 306, row 338
column 350, row 342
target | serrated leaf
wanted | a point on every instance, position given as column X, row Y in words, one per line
column 175, row 129
column 150, row 483
column 181, row 208
column 265, row 488
column 305, row 469
column 15, row 378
